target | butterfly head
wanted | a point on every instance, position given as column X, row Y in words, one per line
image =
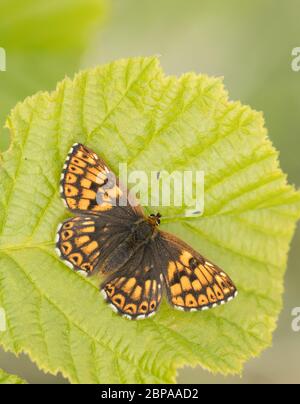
column 155, row 220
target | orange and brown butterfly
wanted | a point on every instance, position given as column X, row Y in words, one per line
column 116, row 239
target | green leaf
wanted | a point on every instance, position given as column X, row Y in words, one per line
column 44, row 40
column 130, row 111
column 5, row 378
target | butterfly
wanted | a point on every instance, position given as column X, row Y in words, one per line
column 140, row 262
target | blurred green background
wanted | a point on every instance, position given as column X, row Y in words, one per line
column 249, row 43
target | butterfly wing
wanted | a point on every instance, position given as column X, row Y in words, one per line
column 84, row 242
column 90, row 189
column 135, row 290
column 192, row 282
column 89, row 185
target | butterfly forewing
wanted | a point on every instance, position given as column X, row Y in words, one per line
column 87, row 184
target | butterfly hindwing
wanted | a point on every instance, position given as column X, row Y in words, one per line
column 192, row 282
column 87, row 184
column 135, row 291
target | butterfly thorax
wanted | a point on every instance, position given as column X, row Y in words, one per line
column 146, row 228
column 142, row 233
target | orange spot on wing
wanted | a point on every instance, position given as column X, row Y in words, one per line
column 178, row 301
column 90, row 248
column 196, row 285
column 79, row 241
column 71, row 203
column 83, row 204
column 88, row 194
column 71, row 178
column 211, row 296
column 68, row 225
column 202, row 300
column 143, row 308
column 185, row 283
column 76, row 259
column 90, row 229
column 94, row 178
column 130, row 308
column 67, row 234
column 136, row 295
column 86, row 157
column 176, row 289
column 147, row 287
column 76, row 170
column 185, row 258
column 190, row 301
column 129, row 285
column 119, row 300
column 97, row 172
column 85, row 183
column 218, row 292
column 153, row 305
column 201, row 277
column 171, row 271
column 154, row 287
column 66, row 247
column 70, row 190
column 78, row 162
